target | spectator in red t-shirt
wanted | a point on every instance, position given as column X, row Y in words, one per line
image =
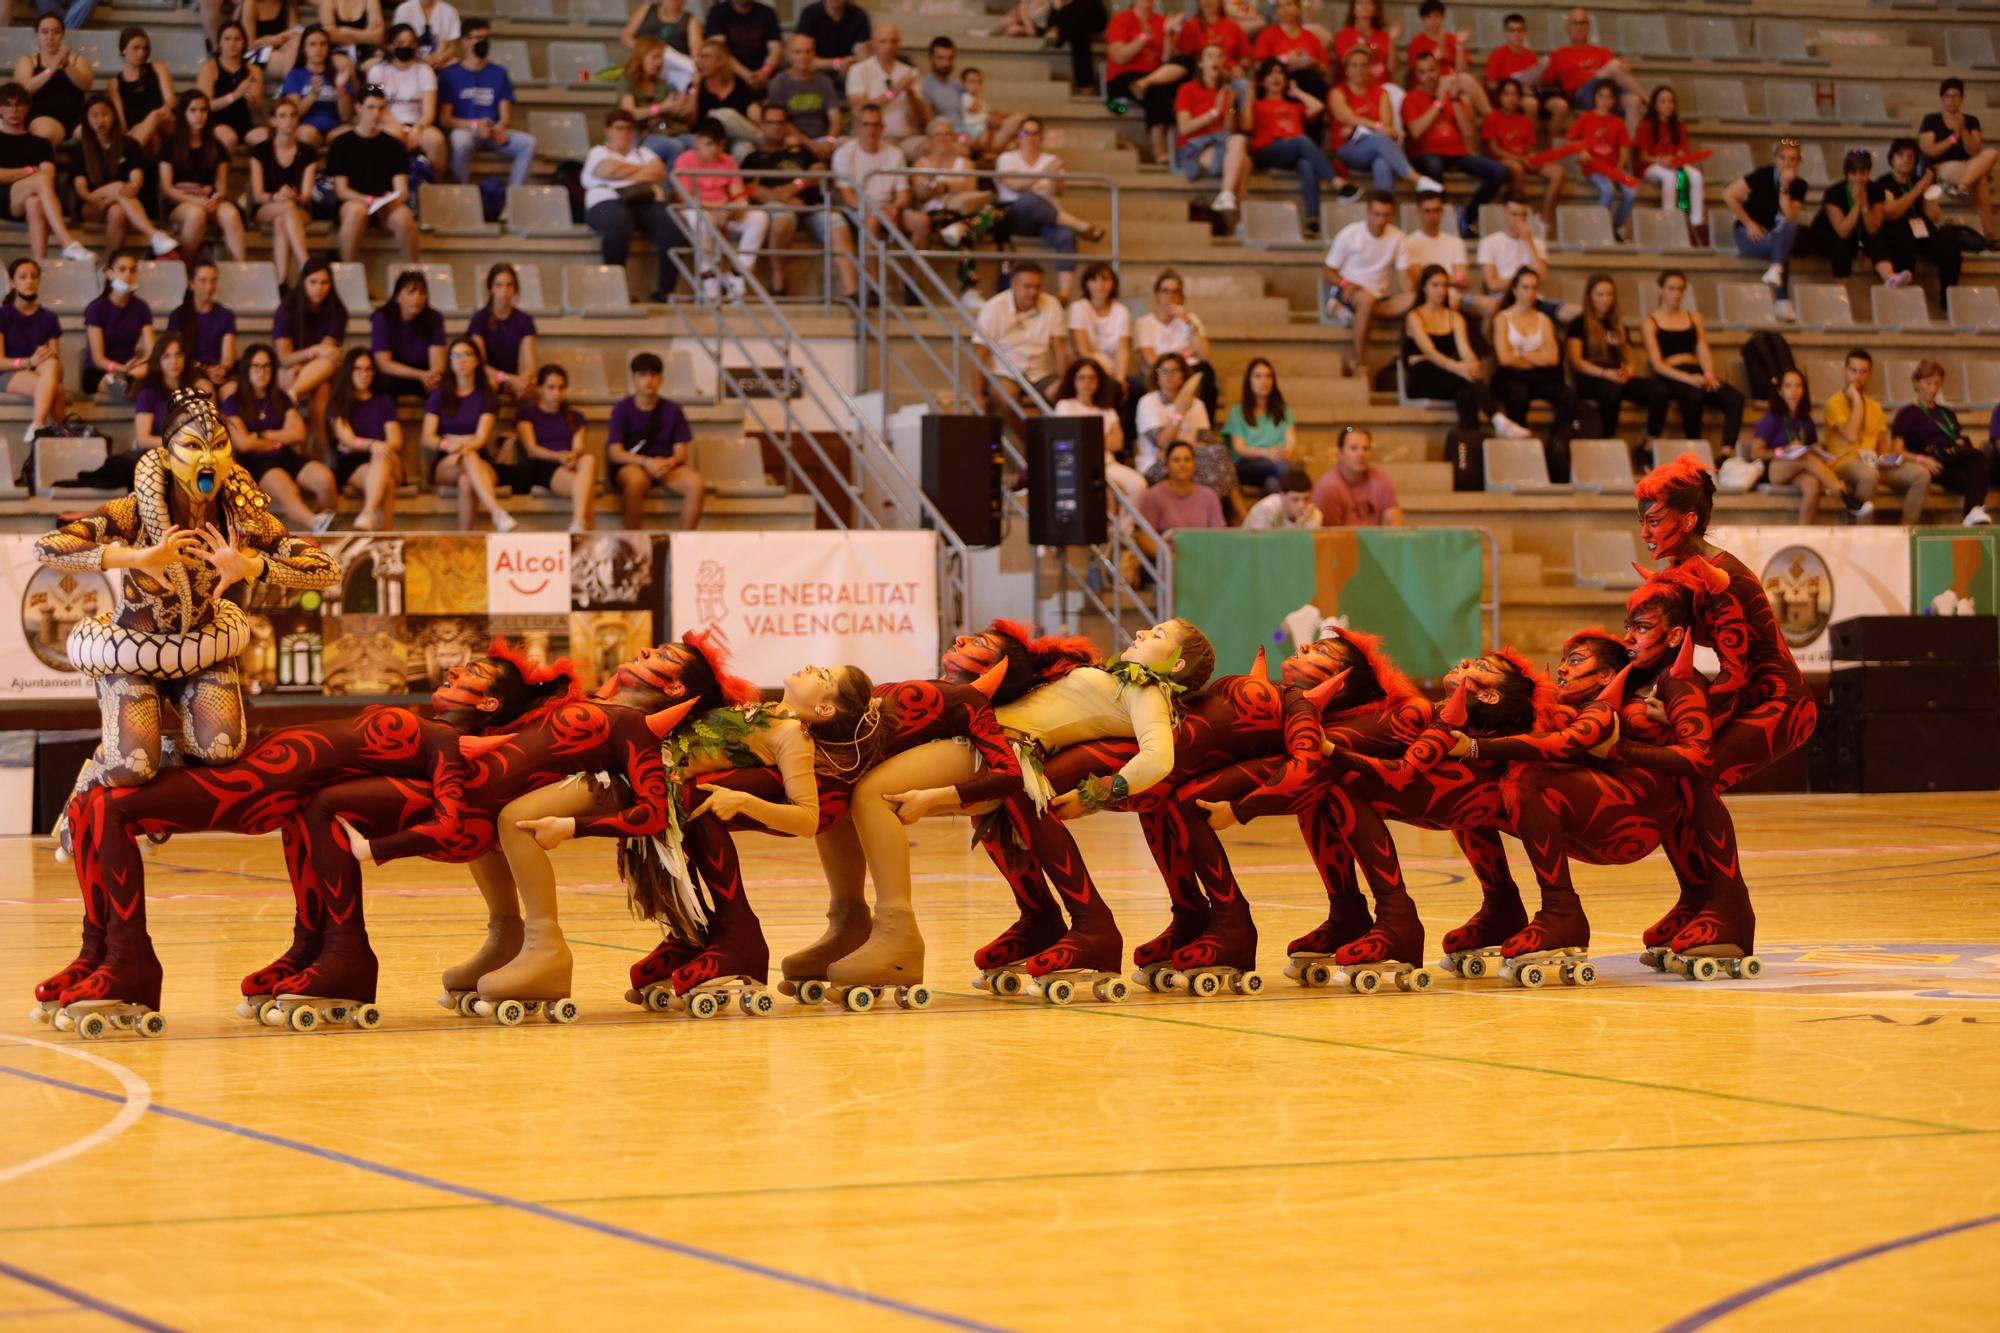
column 1514, row 60
column 1437, row 113
column 1364, row 31
column 1661, row 141
column 1135, row 48
column 1577, row 68
column 1278, row 139
column 1209, row 26
column 1353, row 493
column 1296, row 47
column 1605, row 144
column 1507, row 135
column 1452, row 49
column 1206, row 116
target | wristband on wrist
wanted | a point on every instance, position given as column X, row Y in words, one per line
column 1095, row 793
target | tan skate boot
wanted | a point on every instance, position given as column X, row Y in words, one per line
column 540, row 971
column 847, row 927
column 893, row 955
column 503, row 941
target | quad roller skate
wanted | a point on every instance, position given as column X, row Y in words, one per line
column 512, row 1013
column 1201, row 982
column 91, row 1019
column 711, row 997
column 338, row 986
column 1554, row 946
column 804, row 974
column 888, row 967
column 1392, row 951
column 1715, row 943
column 304, row 1013
column 1707, row 962
column 262, row 986
column 1473, row 950
column 1534, row 970
column 48, row 995
column 121, row 993
column 861, row 998
column 654, row 973
column 1075, row 961
column 504, row 936
column 536, row 981
column 1659, row 937
column 1223, row 957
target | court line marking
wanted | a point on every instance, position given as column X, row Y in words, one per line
column 84, row 1299
column 1708, row 1314
column 138, row 1096
column 544, row 1211
column 1114, row 1011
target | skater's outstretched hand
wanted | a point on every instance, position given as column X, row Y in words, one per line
column 910, row 806
column 1069, row 805
column 1220, row 814
column 230, row 561
column 355, row 842
column 725, row 803
column 551, row 831
column 181, row 546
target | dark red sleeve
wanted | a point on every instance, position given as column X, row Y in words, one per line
column 1425, row 753
column 638, row 755
column 445, row 831
column 1690, row 753
column 1002, row 776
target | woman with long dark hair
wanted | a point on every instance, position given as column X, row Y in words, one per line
column 110, row 180
column 505, row 333
column 207, row 327
column 1660, row 146
column 283, row 171
column 458, row 425
column 143, row 91
column 31, row 345
column 1600, row 362
column 367, row 440
column 169, row 371
column 308, row 330
column 1530, row 357
column 1438, row 359
column 549, row 434
column 1260, row 430
column 269, row 435
column 194, row 181
column 234, row 87
column 1684, row 369
column 323, row 81
column 407, row 337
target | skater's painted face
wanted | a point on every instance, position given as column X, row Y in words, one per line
column 1666, row 531
column 1650, row 635
column 972, row 656
column 813, row 691
column 1158, row 647
column 198, row 452
column 1585, row 669
column 470, row 687
column 660, row 670
column 1316, row 663
column 1484, row 677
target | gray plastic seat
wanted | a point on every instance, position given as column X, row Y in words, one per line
column 1900, row 307
column 1601, row 466
column 68, row 285
column 540, row 210
column 1784, row 41
column 1982, row 380
column 678, row 379
column 1269, row 222
column 1649, row 298
column 1493, row 219
column 511, row 54
column 573, row 63
column 1861, row 104
column 1825, row 373
column 1604, row 557
column 1823, row 305
column 1661, row 229
column 162, row 283
column 17, row 40
column 1790, row 100
column 595, row 290
column 1974, row 308
column 183, row 50
column 1896, row 388
column 1337, row 216
column 560, row 134
column 1666, row 451
column 1583, row 227
column 586, row 370
column 97, row 45
column 529, row 275
column 1745, row 305
column 351, row 281
column 1719, row 99
column 1646, row 35
column 1517, row 466
column 1403, row 398
column 453, row 210
column 604, row 13
column 443, row 280
column 248, row 289
column 1727, row 162
column 1714, row 39
column 1813, row 167
column 733, row 466
column 1969, row 48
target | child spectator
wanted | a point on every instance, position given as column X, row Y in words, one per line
column 648, row 445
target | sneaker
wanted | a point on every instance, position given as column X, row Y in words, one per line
column 1224, row 203
column 1978, row 518
column 163, row 245
column 79, row 252
column 365, row 521
column 1784, row 311
column 1895, row 280
column 505, row 523
column 1338, row 311
column 1774, row 276
column 711, row 290
column 1864, row 512
column 323, row 520
column 1508, row 430
column 735, row 286
column 1425, row 185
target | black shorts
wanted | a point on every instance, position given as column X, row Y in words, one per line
column 347, row 462
column 285, row 459
column 532, row 472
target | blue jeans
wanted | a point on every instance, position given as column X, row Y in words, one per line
column 1492, row 178
column 1776, row 247
column 1617, row 199
column 75, row 15
column 1302, row 155
column 668, row 147
column 519, row 148
column 1379, row 154
column 1032, row 215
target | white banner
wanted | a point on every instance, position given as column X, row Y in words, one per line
column 783, row 600
column 527, row 573
column 1815, row 576
column 37, row 608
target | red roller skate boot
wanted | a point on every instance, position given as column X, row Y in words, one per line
column 1393, row 949
column 262, row 986
column 336, row 987
column 89, row 956
column 652, row 975
column 733, row 966
column 1347, row 920
column 1090, row 953
column 1223, row 957
column 1185, row 925
column 123, row 991
column 1473, row 950
column 1659, row 936
column 1720, row 940
column 1556, row 943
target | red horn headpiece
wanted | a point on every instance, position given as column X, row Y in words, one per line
column 735, row 689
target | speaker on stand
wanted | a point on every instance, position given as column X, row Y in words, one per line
column 1066, row 501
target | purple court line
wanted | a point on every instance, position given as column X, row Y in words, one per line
column 1708, row 1314
column 85, row 1300
column 543, row 1211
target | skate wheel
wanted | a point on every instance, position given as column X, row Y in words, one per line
column 1472, row 967
column 36, row 1013
column 304, row 1018
column 1417, row 980
column 1204, row 984
column 468, row 1003
column 812, row 992
column 1364, row 982
column 659, row 999
column 338, row 1013
column 914, row 997
column 858, row 1000
column 560, row 1011
column 1531, row 977
column 271, row 1014
column 1749, row 969
column 1702, row 969
column 1584, row 975
column 1114, row 991
column 151, row 1025
column 1246, row 983
column 509, row 1013
column 1007, row 983
column 702, row 1005
column 1059, row 991
column 367, row 1017
column 760, row 1003
column 1317, row 976
column 91, row 1026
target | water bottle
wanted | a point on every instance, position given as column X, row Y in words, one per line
column 1683, row 197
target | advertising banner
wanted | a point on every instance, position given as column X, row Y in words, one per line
column 37, row 608
column 781, row 600
column 1817, row 575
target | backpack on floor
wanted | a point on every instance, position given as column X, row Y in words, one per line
column 1766, row 358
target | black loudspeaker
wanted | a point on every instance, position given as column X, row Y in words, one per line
column 961, row 469
column 1912, row 687
column 1908, row 752
column 1066, row 481
column 1916, row 639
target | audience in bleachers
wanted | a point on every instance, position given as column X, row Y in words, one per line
column 1955, row 149
column 505, row 333
column 117, row 329
column 1206, row 114
column 1025, row 326
column 27, row 169
column 750, row 34
column 284, row 176
column 1100, row 327
column 1169, row 326
column 1438, row 115
column 1289, row 507
column 1354, row 493
column 798, row 204
column 1135, row 48
column 1927, row 432
column 408, row 340
column 309, row 331
column 366, row 438
column 1296, row 49
column 1906, row 202
column 1606, row 144
column 1788, row 446
column 371, row 180
column 709, row 173
column 672, row 22
column 1431, row 244
column 437, row 26
column 1178, row 500
column 624, row 194
column 1278, row 121
column 1839, row 231
column 549, row 439
column 234, row 86
column 1662, row 152
column 809, row 96
column 267, row 432
column 1172, row 411
column 1439, row 361
column 1028, row 180
column 1682, row 366
column 1575, row 71
column 884, row 81
column 323, row 81
column 1857, row 434
column 839, row 32
column 57, row 80
column 1766, row 203
column 1261, row 432
column 1507, row 135
column 194, row 182
column 1367, row 133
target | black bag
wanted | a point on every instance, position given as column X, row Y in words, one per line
column 1964, row 239
column 1467, row 451
column 1766, row 358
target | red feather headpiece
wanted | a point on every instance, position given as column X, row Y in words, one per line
column 535, row 675
column 1395, row 685
column 1683, row 473
column 735, row 689
column 1695, row 578
column 1596, row 633
column 1055, row 655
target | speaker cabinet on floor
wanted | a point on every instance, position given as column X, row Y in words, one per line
column 961, row 465
column 1066, row 481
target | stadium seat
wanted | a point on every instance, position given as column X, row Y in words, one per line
column 1745, row 305
column 1969, row 48
column 1403, row 390
column 351, row 281
column 182, row 49
column 1813, row 168
column 733, row 467
column 1790, row 100
column 1861, row 104
column 16, row 40
column 1900, row 307
column 1517, row 466
column 1784, row 41
column 248, row 289
column 1714, row 39
column 1825, row 373
column 678, row 382
column 443, row 280
column 1338, row 214
column 573, row 63
column 1823, row 305
column 540, row 210
column 1660, row 229
column 1604, row 557
column 560, row 134
column 531, row 298
column 1721, row 233
column 586, row 370
column 1649, row 296
column 162, row 284
column 1647, row 35
column 1719, row 99
column 1268, row 222
column 1974, row 308
column 1603, row 466
column 1583, row 227
column 453, row 210
column 68, row 285
column 1982, row 381
column 511, row 54
column 1897, row 389
column 1493, row 219
column 1728, row 162
column 595, row 290
column 605, row 13
column 1489, row 28
column 97, row 45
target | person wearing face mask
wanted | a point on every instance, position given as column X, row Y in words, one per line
column 478, row 100
column 118, row 330
column 411, row 87
column 437, row 26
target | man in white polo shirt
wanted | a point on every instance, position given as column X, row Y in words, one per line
column 1431, row 244
column 1026, row 325
column 1359, row 269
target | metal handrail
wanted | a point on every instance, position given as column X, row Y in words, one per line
column 867, row 452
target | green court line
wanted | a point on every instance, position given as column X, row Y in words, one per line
column 1133, row 1015
column 1029, row 1178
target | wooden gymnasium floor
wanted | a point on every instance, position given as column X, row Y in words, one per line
column 1818, row 1149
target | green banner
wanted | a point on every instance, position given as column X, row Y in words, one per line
column 1416, row 587
column 1955, row 571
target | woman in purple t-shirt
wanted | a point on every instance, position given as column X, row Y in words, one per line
column 505, row 333
column 458, row 427
column 165, row 374
column 308, row 330
column 549, row 434
column 269, row 433
column 407, row 337
column 117, row 326
column 367, row 440
column 207, row 327
column 31, row 346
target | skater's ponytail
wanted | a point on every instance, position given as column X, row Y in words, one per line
column 1527, row 699
column 847, row 743
column 708, row 677
column 526, row 689
column 1686, row 485
column 1197, row 656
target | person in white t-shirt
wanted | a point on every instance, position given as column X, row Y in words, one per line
column 1025, row 325
column 1290, row 508
column 885, row 82
column 1359, row 269
column 611, row 170
column 411, row 86
column 1170, row 327
column 1171, row 412
column 861, row 165
column 1100, row 327
column 1432, row 244
column 437, row 27
column 1029, row 183
column 1504, row 253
